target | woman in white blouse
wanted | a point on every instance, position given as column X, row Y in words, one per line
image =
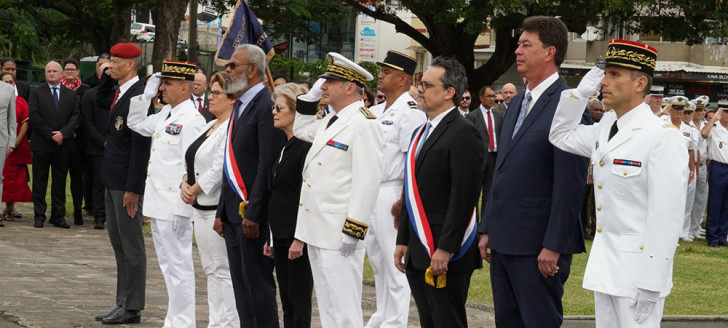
column 201, row 188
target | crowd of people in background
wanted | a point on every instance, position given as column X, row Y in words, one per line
column 304, row 180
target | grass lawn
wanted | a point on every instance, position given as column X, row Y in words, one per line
column 700, row 278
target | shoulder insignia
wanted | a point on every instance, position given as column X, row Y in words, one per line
column 367, row 113
column 668, row 125
column 412, row 104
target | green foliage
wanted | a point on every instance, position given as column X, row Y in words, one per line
column 373, row 69
column 18, row 35
column 284, row 18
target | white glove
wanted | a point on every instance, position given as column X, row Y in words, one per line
column 644, row 302
column 590, row 83
column 315, row 93
column 348, row 244
column 152, row 88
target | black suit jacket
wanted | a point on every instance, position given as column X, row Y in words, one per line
column 476, row 117
column 205, row 107
column 254, row 141
column 449, row 188
column 124, row 164
column 23, row 89
column 95, row 120
column 535, row 197
column 46, row 118
column 92, row 80
column 284, row 182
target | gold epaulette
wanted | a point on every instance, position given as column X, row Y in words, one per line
column 412, row 104
column 355, row 228
column 669, row 125
column 367, row 113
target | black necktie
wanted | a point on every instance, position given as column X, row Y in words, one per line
column 331, row 121
column 613, row 130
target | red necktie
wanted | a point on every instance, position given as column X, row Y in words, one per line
column 116, row 96
column 491, row 135
column 199, row 104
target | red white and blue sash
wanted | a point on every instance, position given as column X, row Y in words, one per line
column 232, row 172
column 416, row 211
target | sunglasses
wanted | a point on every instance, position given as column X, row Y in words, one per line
column 466, row 98
column 277, row 108
column 498, row 101
column 380, row 96
column 233, row 65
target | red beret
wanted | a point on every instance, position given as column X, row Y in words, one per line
column 125, row 50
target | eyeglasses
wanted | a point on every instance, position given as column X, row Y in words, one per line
column 499, row 101
column 233, row 65
column 380, row 96
column 466, row 98
column 215, row 94
column 426, row 85
column 277, row 108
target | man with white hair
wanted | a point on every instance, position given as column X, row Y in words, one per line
column 508, row 90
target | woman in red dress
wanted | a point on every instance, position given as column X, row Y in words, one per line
column 15, row 173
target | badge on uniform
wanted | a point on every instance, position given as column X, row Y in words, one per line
column 687, row 134
column 387, row 122
column 337, row 144
column 119, row 123
column 173, row 128
column 627, row 162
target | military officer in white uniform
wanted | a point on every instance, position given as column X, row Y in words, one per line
column 173, row 129
column 693, row 135
column 701, row 179
column 716, row 131
column 341, row 177
column 398, row 117
column 640, row 174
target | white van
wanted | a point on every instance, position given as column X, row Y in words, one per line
column 142, row 32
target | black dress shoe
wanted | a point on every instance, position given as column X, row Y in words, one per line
column 38, row 223
column 723, row 243
column 99, row 223
column 77, row 218
column 106, row 315
column 61, row 223
column 716, row 245
column 123, row 316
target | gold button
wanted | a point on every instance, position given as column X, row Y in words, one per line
column 170, row 188
column 153, row 149
column 599, row 229
column 300, row 204
column 304, row 179
column 309, row 185
column 148, row 174
column 642, row 247
column 599, row 186
column 319, row 163
column 601, row 163
column 599, row 208
column 157, row 136
column 167, row 142
column 625, row 173
column 306, row 209
column 150, row 162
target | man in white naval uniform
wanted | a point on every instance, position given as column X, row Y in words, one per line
column 173, row 129
column 640, row 174
column 341, row 177
column 701, row 185
column 398, row 117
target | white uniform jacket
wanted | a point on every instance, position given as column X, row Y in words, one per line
column 208, row 164
column 398, row 123
column 640, row 180
column 170, row 138
column 340, row 176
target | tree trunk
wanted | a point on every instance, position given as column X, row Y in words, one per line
column 167, row 18
column 121, row 22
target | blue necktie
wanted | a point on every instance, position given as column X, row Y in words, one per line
column 55, row 96
column 521, row 114
column 236, row 110
column 423, row 138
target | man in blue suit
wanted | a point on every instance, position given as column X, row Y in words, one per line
column 531, row 219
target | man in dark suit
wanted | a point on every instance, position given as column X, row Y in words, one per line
column 123, row 172
column 531, row 219
column 53, row 112
column 254, row 142
column 93, row 79
column 22, row 90
column 199, row 96
column 447, row 189
column 95, row 118
column 488, row 122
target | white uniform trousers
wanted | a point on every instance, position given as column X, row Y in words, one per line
column 615, row 312
column 337, row 280
column 701, row 199
column 173, row 243
column 213, row 255
column 687, row 220
column 393, row 292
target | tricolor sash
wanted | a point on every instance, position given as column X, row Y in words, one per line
column 231, row 169
column 418, row 218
